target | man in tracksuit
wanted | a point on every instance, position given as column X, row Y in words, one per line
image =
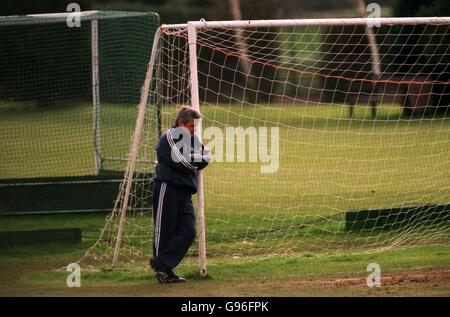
column 180, row 156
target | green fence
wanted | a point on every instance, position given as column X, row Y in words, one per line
column 68, row 98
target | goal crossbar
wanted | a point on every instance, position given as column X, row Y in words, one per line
column 308, row 22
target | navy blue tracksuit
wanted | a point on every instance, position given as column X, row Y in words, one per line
column 173, row 212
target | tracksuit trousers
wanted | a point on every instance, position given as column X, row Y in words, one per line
column 174, row 220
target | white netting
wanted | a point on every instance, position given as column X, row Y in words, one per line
column 363, row 161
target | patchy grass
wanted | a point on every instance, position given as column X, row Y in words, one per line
column 329, row 164
column 414, row 271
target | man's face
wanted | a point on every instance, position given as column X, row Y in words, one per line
column 188, row 125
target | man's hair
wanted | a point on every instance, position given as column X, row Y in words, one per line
column 186, row 113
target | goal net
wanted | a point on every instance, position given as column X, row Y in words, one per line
column 68, row 91
column 314, row 151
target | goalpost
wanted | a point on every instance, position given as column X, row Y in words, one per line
column 325, row 183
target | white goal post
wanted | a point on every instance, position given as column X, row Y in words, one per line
column 303, row 78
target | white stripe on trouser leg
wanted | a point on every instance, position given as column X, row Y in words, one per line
column 158, row 216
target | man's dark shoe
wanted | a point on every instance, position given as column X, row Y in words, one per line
column 164, row 274
column 160, row 271
column 173, row 278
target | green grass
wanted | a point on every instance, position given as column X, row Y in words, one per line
column 277, row 267
column 329, row 164
column 243, row 238
column 90, row 224
column 59, row 141
column 42, row 272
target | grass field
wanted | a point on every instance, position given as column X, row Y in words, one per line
column 423, row 271
column 329, row 164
